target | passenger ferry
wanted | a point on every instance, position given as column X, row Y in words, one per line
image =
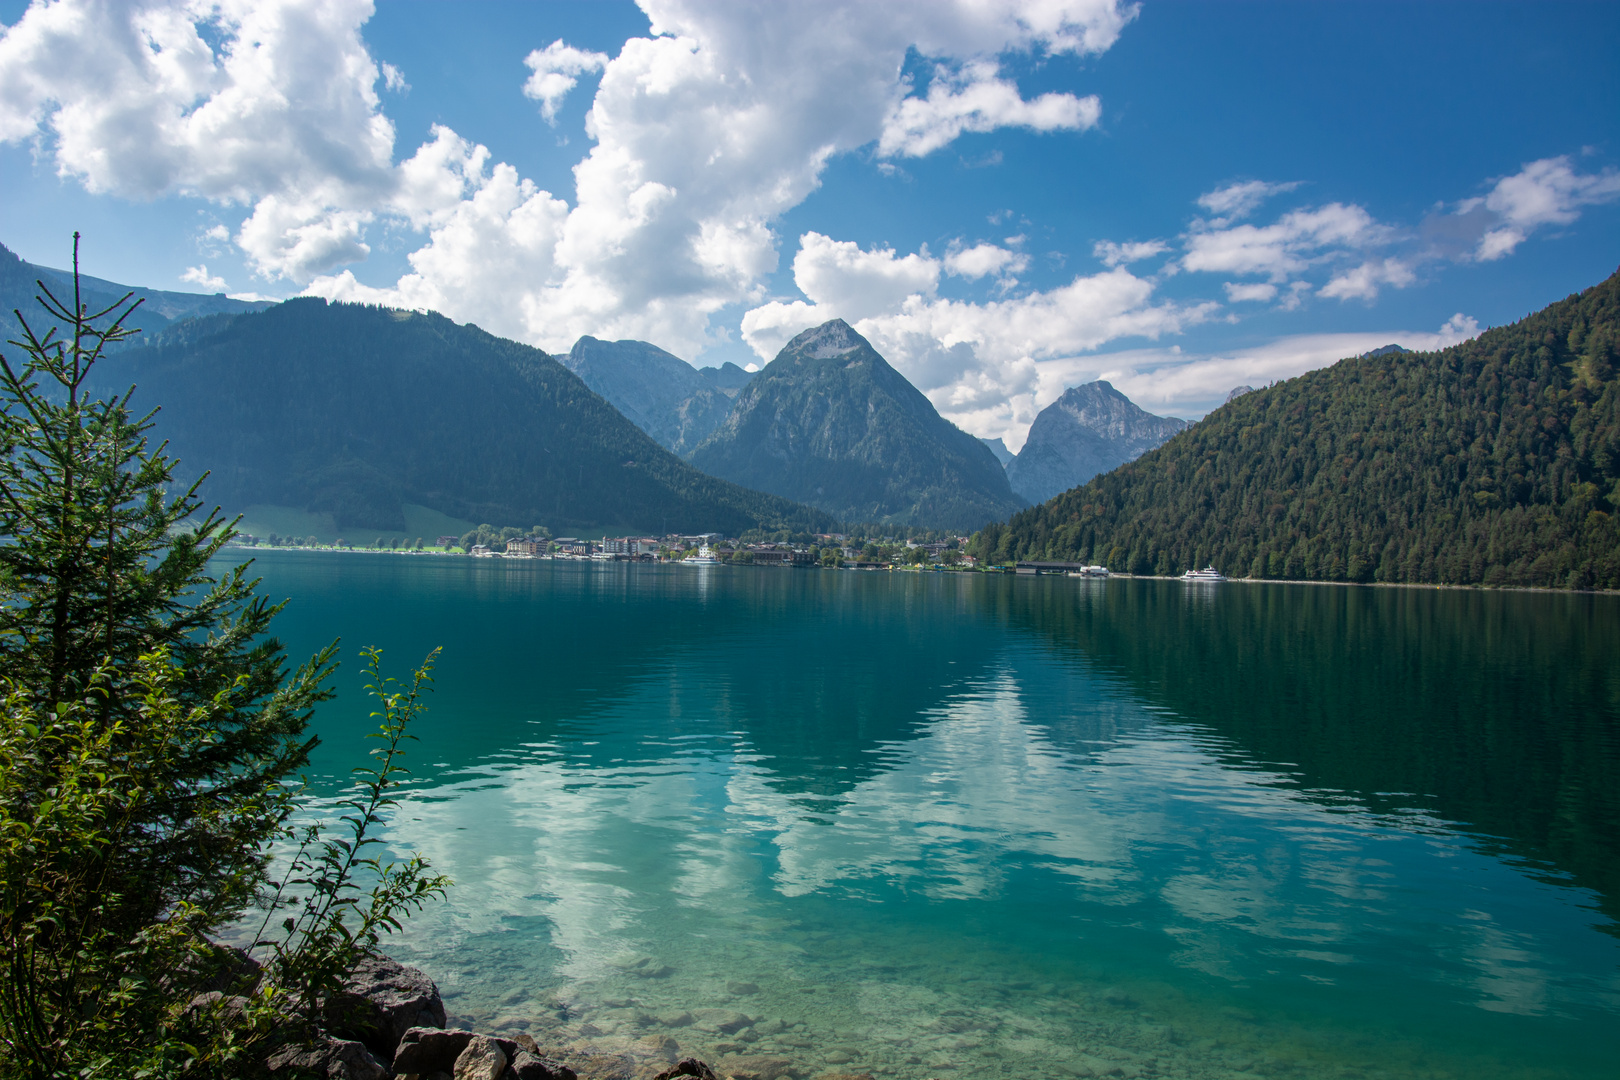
column 1208, row 573
column 704, row 557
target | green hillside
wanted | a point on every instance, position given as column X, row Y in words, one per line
column 830, row 423
column 1493, row 462
column 357, row 411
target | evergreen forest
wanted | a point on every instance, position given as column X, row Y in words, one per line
column 1494, row 462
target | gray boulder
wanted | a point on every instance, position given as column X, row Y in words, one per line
column 527, row 1066
column 429, row 1050
column 384, row 999
column 335, row 1059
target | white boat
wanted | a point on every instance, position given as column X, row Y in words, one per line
column 1208, row 573
column 704, row 557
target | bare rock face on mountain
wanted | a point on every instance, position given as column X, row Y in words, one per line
column 1091, row 429
column 830, row 420
column 657, row 391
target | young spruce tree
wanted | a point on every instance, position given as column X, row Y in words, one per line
column 149, row 721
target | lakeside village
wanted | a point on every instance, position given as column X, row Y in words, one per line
column 826, row 550
column 835, row 550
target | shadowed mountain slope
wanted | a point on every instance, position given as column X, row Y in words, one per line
column 357, row 410
column 830, row 423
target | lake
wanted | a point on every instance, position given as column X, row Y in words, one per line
column 922, row 825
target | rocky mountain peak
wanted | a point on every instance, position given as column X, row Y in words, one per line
column 830, row 420
column 830, row 339
column 1091, row 429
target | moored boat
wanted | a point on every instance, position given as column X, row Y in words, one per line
column 1208, row 573
column 704, row 557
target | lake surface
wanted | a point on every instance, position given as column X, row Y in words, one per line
column 933, row 825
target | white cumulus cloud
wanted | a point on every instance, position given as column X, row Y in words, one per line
column 977, row 99
column 557, row 69
column 199, row 275
column 986, row 259
column 839, row 277
column 1239, row 200
column 1362, row 283
column 1113, row 254
column 1546, row 192
column 1240, row 291
column 705, row 134
column 1284, row 248
column 280, row 114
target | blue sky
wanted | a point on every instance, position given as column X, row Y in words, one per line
column 1007, row 198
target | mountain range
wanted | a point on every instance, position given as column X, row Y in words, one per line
column 359, row 411
column 1089, row 430
column 1496, row 462
column 828, row 422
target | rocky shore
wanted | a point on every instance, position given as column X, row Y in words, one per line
column 396, row 1029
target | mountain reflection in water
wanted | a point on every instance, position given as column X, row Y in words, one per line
column 1495, row 712
column 1017, row 827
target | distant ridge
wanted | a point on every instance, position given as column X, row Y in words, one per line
column 728, row 378
column 1493, row 462
column 160, row 310
column 830, row 423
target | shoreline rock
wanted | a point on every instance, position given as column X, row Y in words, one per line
column 394, row 1029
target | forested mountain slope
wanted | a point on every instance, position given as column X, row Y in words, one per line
column 830, row 423
column 357, row 410
column 1495, row 461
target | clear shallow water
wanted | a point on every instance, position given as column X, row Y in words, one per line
column 937, row 825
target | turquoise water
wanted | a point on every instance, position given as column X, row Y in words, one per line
column 958, row 825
